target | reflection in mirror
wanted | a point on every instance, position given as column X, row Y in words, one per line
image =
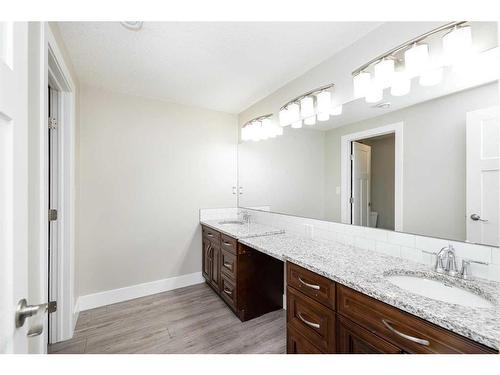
column 424, row 163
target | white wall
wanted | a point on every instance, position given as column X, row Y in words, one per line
column 146, row 167
column 286, row 173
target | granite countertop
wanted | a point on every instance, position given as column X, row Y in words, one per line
column 365, row 271
column 239, row 231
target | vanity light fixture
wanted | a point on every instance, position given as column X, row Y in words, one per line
column 457, row 45
column 307, row 108
column 260, row 128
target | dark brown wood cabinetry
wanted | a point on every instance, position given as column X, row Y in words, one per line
column 361, row 324
column 250, row 282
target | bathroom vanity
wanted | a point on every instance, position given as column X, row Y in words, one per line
column 338, row 299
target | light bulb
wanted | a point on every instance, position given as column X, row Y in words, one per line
column 297, row 124
column 307, row 107
column 374, row 94
column 400, row 84
column 293, row 113
column 284, row 117
column 336, row 110
column 323, row 102
column 457, row 44
column 310, row 120
column 384, row 70
column 416, row 59
column 257, row 131
column 323, row 116
column 267, row 128
column 361, row 82
column 431, row 77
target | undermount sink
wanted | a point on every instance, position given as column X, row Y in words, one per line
column 439, row 291
column 234, row 222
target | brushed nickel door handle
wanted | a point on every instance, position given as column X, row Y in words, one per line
column 311, row 324
column 405, row 336
column 476, row 217
column 312, row 286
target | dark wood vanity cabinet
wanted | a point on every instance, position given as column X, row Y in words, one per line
column 329, row 317
column 249, row 282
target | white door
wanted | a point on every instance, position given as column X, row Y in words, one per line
column 13, row 182
column 483, row 160
column 360, row 184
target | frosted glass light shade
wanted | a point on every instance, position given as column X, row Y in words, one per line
column 431, row 77
column 336, row 110
column 284, row 117
column 310, row 120
column 416, row 60
column 374, row 94
column 457, row 44
column 361, row 84
column 384, row 71
column 267, row 128
column 401, row 84
column 307, row 107
column 293, row 113
column 323, row 102
column 297, row 124
column 323, row 116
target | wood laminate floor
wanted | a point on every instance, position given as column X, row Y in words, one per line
column 187, row 320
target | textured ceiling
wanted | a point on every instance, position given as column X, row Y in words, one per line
column 220, row 66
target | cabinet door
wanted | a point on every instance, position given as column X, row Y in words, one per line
column 206, row 259
column 215, row 267
column 297, row 344
column 354, row 339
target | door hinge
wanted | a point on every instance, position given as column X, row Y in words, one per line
column 351, row 157
column 52, row 123
column 52, row 214
column 351, row 200
column 52, row 307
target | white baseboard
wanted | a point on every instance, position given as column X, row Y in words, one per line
column 108, row 297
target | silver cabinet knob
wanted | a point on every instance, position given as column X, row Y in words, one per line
column 476, row 217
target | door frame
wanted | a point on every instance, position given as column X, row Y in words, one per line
column 53, row 69
column 345, row 170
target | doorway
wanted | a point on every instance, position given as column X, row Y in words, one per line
column 53, row 204
column 372, row 182
column 356, row 175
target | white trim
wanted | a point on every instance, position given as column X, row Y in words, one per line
column 91, row 301
column 55, row 68
column 345, row 170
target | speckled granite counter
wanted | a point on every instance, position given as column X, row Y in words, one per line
column 365, row 271
column 241, row 230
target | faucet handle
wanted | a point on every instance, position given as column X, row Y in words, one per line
column 438, row 265
column 465, row 272
column 451, row 264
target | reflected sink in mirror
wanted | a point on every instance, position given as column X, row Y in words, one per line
column 439, row 291
column 234, row 222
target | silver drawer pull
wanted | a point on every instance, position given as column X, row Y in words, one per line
column 228, row 292
column 228, row 265
column 210, row 234
column 226, row 243
column 314, row 325
column 312, row 286
column 407, row 337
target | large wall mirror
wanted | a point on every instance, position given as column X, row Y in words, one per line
column 423, row 163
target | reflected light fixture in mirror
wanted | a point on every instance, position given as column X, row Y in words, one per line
column 384, row 71
column 416, row 59
column 260, row 128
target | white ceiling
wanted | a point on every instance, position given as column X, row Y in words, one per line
column 221, row 66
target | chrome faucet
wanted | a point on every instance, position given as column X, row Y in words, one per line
column 446, row 261
column 245, row 216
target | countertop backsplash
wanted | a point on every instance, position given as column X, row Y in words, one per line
column 402, row 245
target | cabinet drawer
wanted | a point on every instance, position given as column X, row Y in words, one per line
column 228, row 264
column 298, row 344
column 228, row 290
column 311, row 319
column 228, row 243
column 354, row 339
column 408, row 332
column 210, row 234
column 311, row 284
